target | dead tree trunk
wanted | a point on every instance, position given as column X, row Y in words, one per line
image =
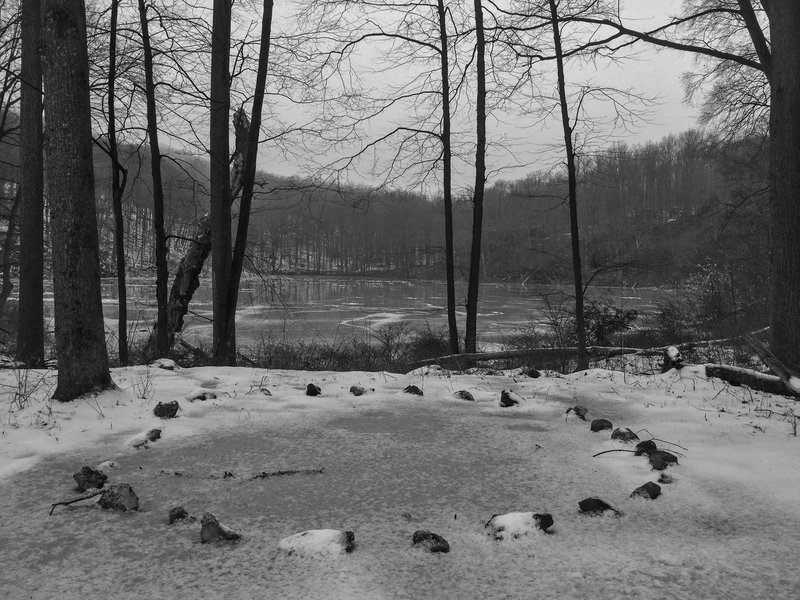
column 187, row 279
column 187, row 276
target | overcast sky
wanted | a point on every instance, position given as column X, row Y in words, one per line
column 655, row 73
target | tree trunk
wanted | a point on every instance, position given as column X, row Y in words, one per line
column 160, row 237
column 580, row 323
column 784, row 177
column 248, row 178
column 471, row 334
column 30, row 317
column 187, row 279
column 117, row 188
column 224, row 333
column 187, row 276
column 79, row 332
column 452, row 325
column 8, row 249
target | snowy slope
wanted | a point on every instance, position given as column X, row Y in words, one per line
column 387, row 463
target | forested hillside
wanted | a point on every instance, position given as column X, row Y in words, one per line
column 650, row 215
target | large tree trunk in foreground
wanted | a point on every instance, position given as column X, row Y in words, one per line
column 30, row 317
column 784, row 176
column 79, row 331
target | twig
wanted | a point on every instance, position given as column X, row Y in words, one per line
column 614, row 450
column 73, row 501
column 655, row 439
column 266, row 475
column 230, row 475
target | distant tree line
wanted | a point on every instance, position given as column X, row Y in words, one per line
column 651, row 215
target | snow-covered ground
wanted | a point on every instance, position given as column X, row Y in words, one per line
column 386, row 464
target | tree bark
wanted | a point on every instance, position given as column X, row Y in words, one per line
column 572, row 186
column 8, row 249
column 160, row 236
column 784, row 178
column 117, row 188
column 249, row 175
column 30, row 317
column 473, row 287
column 447, row 159
column 80, row 339
column 224, row 333
column 187, row 279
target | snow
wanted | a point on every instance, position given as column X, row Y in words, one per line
column 315, row 542
column 386, row 464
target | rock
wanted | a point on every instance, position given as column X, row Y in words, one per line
column 649, row 490
column 579, row 411
column 211, row 530
column 318, row 541
column 265, row 391
column 464, row 395
column 412, row 389
column 201, row 394
column 153, row 435
column 623, row 434
column 645, row 447
column 517, row 524
column 507, row 400
column 665, row 479
column 600, row 425
column 432, row 542
column 544, row 521
column 532, row 373
column 166, row 410
column 357, row 390
column 596, row 506
column 177, row 513
column 119, row 496
column 165, row 363
column 661, row 459
column 88, row 478
column 672, row 359
column 107, row 464
column 313, row 390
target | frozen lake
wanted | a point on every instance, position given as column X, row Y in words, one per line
column 304, row 307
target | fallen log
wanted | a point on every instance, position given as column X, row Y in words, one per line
column 555, row 355
column 790, row 378
column 755, row 380
column 539, row 355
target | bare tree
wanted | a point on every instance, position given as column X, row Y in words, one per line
column 773, row 29
column 160, row 237
column 470, row 334
column 250, row 159
column 80, row 337
column 10, row 48
column 572, row 189
column 224, row 337
column 118, row 181
column 30, row 321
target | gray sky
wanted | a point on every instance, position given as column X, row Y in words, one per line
column 655, row 73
